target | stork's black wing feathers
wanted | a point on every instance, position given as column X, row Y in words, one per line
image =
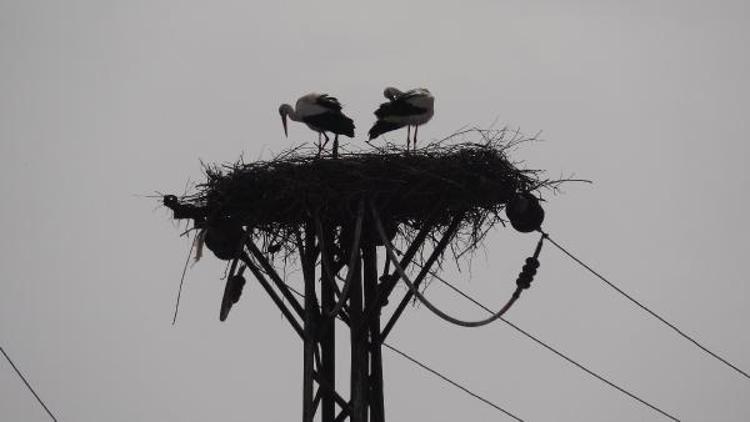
column 381, row 126
column 399, row 107
column 335, row 122
column 328, row 102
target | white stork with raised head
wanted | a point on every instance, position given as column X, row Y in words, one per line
column 411, row 108
column 321, row 113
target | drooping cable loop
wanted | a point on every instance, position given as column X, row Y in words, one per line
column 392, row 257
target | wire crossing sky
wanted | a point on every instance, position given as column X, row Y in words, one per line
column 555, row 351
column 654, row 314
column 437, row 373
column 450, row 381
column 31, row 389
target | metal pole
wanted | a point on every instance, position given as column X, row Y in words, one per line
column 359, row 355
column 328, row 330
column 308, row 263
column 370, row 269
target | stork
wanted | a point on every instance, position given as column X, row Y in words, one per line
column 411, row 108
column 321, row 113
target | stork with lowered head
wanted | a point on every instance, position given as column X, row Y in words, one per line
column 321, row 113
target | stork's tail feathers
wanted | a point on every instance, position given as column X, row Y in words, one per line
column 348, row 127
column 380, row 127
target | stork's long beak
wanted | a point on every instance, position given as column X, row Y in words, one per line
column 283, row 122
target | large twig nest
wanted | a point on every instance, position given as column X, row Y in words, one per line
column 277, row 197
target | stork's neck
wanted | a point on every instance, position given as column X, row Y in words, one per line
column 290, row 112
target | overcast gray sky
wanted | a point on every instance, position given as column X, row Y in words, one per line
column 103, row 101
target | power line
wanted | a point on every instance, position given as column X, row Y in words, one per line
column 530, row 336
column 433, row 371
column 654, row 314
column 20, row 375
column 557, row 352
column 455, row 384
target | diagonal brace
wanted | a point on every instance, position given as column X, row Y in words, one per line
column 274, row 296
column 439, row 249
column 389, row 282
column 275, row 277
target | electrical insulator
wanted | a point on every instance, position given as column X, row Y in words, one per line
column 524, row 212
column 527, row 273
column 170, row 201
column 223, row 238
column 232, row 293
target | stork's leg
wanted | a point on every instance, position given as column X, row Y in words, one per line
column 336, row 145
column 408, row 136
column 416, row 128
column 325, row 135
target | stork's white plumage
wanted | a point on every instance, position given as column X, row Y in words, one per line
column 411, row 108
column 321, row 113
